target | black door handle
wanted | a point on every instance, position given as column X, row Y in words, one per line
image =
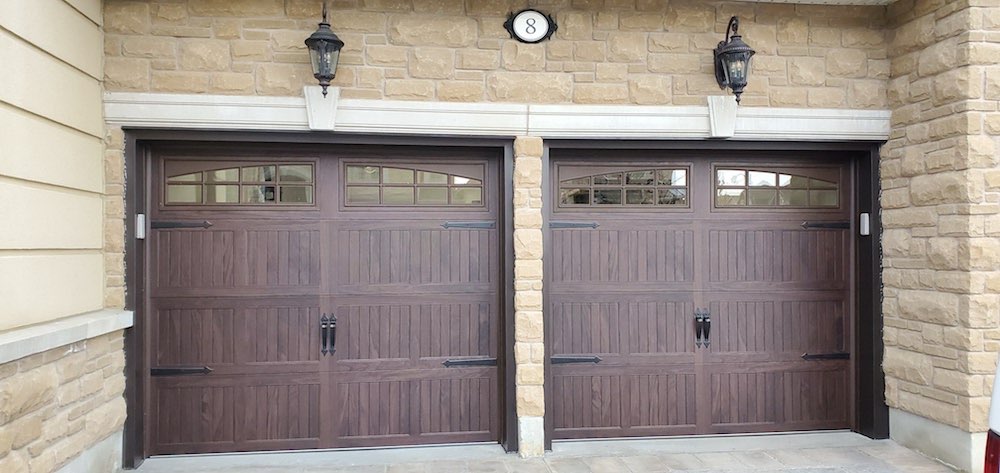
column 707, row 317
column 699, row 327
column 333, row 333
column 470, row 362
column 324, row 325
column 158, row 224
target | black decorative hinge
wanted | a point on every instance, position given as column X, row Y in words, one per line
column 489, row 224
column 837, row 225
column 161, row 224
column 180, row 371
column 567, row 359
column 470, row 362
column 827, row 356
column 573, row 224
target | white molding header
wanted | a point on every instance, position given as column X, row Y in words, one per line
column 571, row 121
column 26, row 341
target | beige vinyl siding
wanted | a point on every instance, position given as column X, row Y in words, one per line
column 56, row 159
column 51, row 160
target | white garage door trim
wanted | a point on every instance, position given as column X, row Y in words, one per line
column 252, row 113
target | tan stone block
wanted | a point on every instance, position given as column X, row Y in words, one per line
column 530, row 401
column 611, row 72
column 527, row 218
column 979, row 53
column 525, row 148
column 232, row 82
column 205, row 55
column 386, row 56
column 529, row 87
column 956, row 125
column 908, row 365
column 806, row 71
column 938, row 58
column 122, row 74
column 675, row 63
column 928, row 306
column 821, row 36
column 460, row 91
column 478, row 59
column 289, row 41
column 243, row 8
column 283, row 79
column 431, row 63
column 432, row 30
column 645, row 21
column 788, row 96
column 575, row 25
column 600, row 93
column 941, row 188
column 847, row 63
column 226, row 28
column 250, row 50
column 19, row 461
column 627, row 47
column 126, row 17
column 943, row 253
column 408, row 89
column 793, row 30
column 528, row 326
column 591, row 51
column 438, row 6
column 827, row 97
column 668, row 42
column 528, row 243
column 690, row 16
column 958, row 84
column 173, row 81
column 530, row 374
column 519, row 56
column 896, row 242
column 370, row 77
column 528, row 269
column 650, row 89
column 27, row 391
column 148, row 47
column 982, row 363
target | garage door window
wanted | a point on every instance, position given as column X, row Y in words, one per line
column 267, row 184
column 371, row 185
column 773, row 188
column 633, row 188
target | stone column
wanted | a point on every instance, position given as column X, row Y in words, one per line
column 529, row 348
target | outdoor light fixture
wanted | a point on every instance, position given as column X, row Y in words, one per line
column 324, row 51
column 732, row 60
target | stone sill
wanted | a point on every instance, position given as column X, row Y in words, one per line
column 26, row 341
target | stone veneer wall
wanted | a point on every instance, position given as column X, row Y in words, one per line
column 604, row 52
column 56, row 404
column 529, row 348
column 940, row 200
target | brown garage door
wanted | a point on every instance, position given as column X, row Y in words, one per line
column 698, row 296
column 307, row 301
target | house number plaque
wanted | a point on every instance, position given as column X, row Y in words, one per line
column 530, row 26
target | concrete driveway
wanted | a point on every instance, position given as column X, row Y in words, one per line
column 822, row 452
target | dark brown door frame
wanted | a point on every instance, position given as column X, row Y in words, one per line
column 871, row 411
column 138, row 145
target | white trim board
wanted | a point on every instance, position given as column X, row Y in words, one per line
column 569, row 121
column 26, row 341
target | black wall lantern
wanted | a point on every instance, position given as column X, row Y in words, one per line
column 324, row 51
column 732, row 60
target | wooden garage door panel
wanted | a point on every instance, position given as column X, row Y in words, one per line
column 654, row 402
column 628, row 289
column 658, row 326
column 244, row 335
column 777, row 258
column 217, row 260
column 400, row 256
column 779, row 397
column 443, row 405
column 397, row 335
column 777, row 329
column 614, row 257
column 236, row 413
